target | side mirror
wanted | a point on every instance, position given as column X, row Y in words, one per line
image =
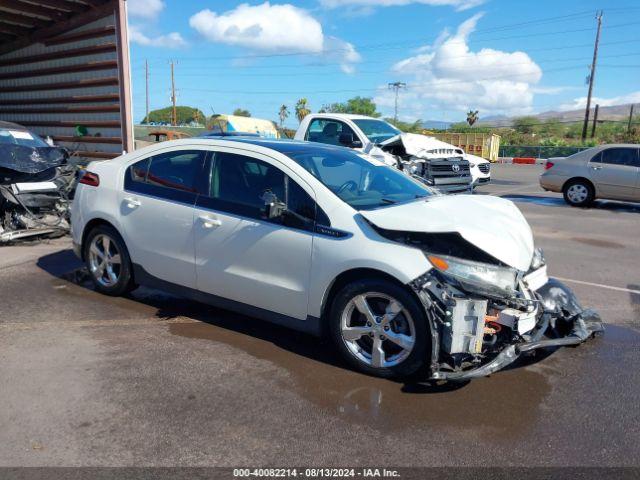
column 348, row 140
column 273, row 207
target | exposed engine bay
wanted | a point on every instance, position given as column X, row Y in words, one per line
column 435, row 163
column 36, row 186
column 478, row 326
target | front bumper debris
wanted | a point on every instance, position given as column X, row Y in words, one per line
column 585, row 325
column 560, row 321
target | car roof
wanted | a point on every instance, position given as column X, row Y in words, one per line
column 11, row 125
column 283, row 146
column 348, row 116
column 286, row 146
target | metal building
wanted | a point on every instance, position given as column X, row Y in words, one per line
column 65, row 73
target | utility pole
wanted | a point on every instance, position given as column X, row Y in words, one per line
column 396, row 86
column 595, row 121
column 146, row 74
column 174, row 117
column 630, row 119
column 591, row 77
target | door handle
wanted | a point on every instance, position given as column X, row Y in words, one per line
column 209, row 222
column 132, row 202
column 596, row 168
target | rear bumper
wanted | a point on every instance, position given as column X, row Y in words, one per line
column 77, row 249
column 552, row 183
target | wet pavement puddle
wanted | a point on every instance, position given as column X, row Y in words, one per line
column 503, row 405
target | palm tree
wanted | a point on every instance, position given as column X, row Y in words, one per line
column 472, row 117
column 302, row 109
column 283, row 114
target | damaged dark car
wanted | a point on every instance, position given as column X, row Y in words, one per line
column 36, row 184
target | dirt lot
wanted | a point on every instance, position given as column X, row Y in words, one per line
column 155, row 380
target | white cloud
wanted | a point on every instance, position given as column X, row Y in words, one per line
column 581, row 102
column 147, row 9
column 282, row 28
column 262, row 27
column 457, row 4
column 170, row 40
column 448, row 76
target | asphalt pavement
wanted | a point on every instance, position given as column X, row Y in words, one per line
column 154, row 380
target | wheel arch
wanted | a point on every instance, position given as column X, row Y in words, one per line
column 352, row 275
column 91, row 224
column 585, row 179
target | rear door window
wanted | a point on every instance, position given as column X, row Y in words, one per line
column 620, row 156
column 173, row 175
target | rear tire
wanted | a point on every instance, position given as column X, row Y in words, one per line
column 380, row 329
column 578, row 193
column 108, row 261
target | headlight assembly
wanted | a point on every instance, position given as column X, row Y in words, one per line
column 538, row 259
column 476, row 276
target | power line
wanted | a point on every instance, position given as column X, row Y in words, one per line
column 395, row 45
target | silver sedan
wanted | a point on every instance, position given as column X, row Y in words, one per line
column 607, row 171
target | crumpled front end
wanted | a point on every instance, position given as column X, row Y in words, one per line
column 477, row 332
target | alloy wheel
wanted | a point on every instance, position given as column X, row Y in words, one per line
column 377, row 330
column 105, row 261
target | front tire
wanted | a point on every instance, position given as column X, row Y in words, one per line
column 380, row 329
column 578, row 193
column 108, row 261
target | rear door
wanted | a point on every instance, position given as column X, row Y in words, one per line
column 157, row 213
column 242, row 255
column 615, row 172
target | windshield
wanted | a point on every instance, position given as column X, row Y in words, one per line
column 20, row 137
column 377, row 130
column 360, row 181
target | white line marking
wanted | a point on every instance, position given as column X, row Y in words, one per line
column 599, row 285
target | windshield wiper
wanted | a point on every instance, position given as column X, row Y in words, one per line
column 388, row 201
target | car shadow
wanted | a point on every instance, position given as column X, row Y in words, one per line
column 608, row 205
column 241, row 331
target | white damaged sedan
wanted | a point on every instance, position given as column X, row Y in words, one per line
column 326, row 240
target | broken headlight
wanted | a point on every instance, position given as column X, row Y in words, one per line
column 538, row 259
column 476, row 276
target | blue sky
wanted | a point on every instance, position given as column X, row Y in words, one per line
column 497, row 56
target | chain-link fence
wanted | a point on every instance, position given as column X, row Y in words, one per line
column 538, row 151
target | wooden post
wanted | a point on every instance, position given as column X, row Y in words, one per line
column 595, row 121
column 591, row 77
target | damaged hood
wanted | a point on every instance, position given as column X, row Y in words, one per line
column 492, row 224
column 25, row 159
column 422, row 146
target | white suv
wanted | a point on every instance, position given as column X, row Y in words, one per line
column 324, row 239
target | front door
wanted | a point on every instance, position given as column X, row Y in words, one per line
column 615, row 172
column 157, row 208
column 241, row 254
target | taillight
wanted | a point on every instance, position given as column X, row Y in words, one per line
column 90, row 178
column 548, row 165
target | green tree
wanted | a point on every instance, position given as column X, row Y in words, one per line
column 302, row 109
column 356, row 105
column 283, row 114
column 408, row 127
column 184, row 115
column 472, row 117
column 241, row 112
column 526, row 124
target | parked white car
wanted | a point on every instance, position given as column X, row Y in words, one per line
column 324, row 239
column 480, row 169
column 437, row 163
